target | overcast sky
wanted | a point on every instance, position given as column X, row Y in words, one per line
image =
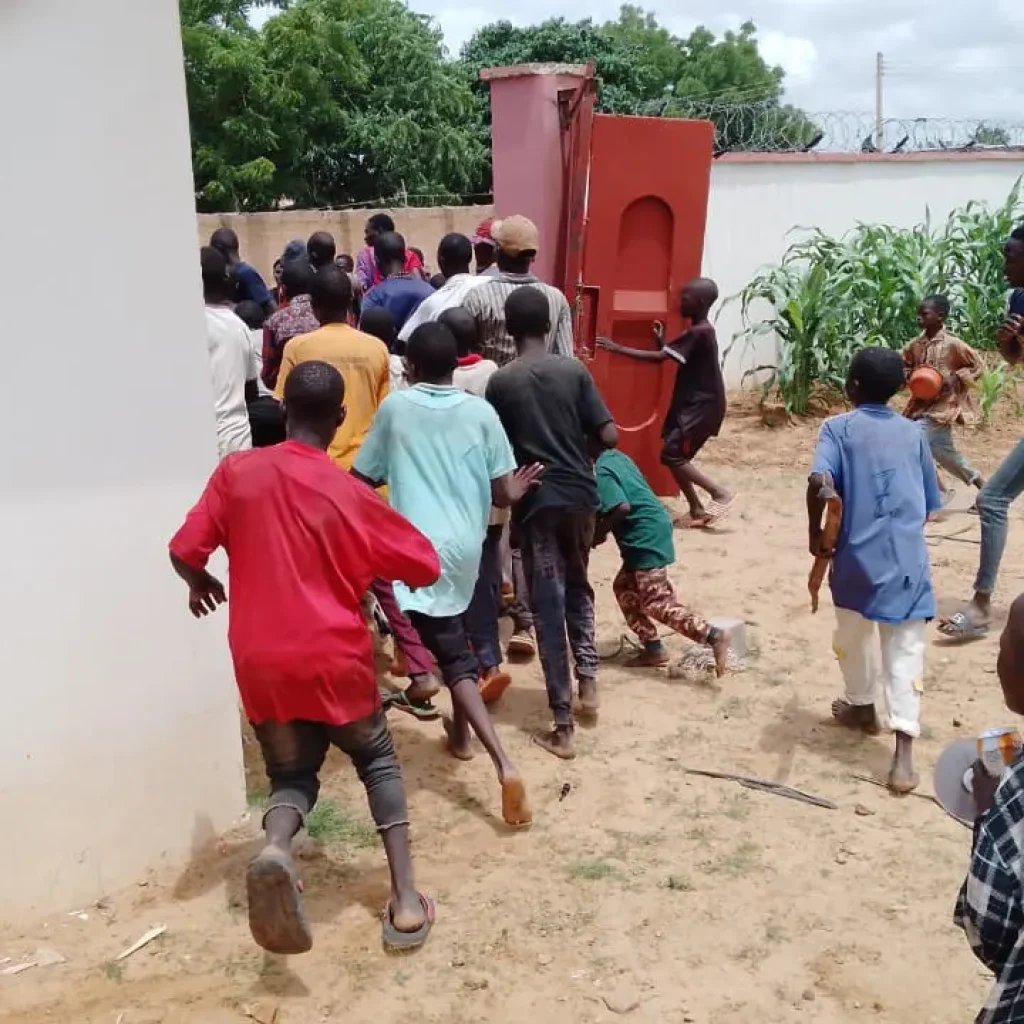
column 948, row 58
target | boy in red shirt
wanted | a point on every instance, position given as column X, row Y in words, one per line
column 305, row 541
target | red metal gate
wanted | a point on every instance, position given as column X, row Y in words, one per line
column 646, row 201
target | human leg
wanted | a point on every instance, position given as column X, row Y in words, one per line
column 447, row 640
column 948, row 456
column 544, row 565
column 677, row 454
column 903, row 649
column 627, row 594
column 522, row 643
column 419, row 664
column 577, row 539
column 293, row 753
column 482, row 619
column 369, row 746
column 855, row 643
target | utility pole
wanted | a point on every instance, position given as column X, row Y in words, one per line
column 879, row 114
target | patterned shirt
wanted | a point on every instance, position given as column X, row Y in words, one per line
column 295, row 319
column 487, row 305
column 989, row 907
column 960, row 368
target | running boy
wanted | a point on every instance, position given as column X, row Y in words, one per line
column 697, row 409
column 551, row 409
column 880, row 466
column 306, row 541
column 642, row 529
column 960, row 368
column 446, row 460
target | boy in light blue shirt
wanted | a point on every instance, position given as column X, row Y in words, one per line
column 881, row 467
column 446, row 460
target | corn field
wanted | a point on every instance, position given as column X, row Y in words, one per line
column 830, row 297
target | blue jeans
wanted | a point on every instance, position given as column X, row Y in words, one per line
column 945, row 453
column 1003, row 487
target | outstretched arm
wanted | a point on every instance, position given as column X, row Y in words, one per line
column 645, row 355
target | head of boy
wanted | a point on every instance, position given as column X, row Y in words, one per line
column 215, row 270
column 431, row 354
column 314, row 403
column 225, row 241
column 252, row 314
column 528, row 318
column 389, row 253
column 462, row 324
column 379, row 322
column 321, row 249
column 516, row 241
column 296, row 278
column 454, row 255
column 697, row 298
column 331, row 294
column 346, row 263
column 378, row 224
column 932, row 313
column 1013, row 258
column 483, row 245
column 875, row 375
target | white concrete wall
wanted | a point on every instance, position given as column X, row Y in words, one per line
column 119, row 737
column 755, row 203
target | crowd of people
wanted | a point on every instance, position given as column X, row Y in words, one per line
column 480, row 469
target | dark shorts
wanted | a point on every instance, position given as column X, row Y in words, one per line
column 680, row 447
column 446, row 639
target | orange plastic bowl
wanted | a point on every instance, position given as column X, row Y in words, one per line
column 925, row 383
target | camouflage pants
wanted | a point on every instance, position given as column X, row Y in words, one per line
column 646, row 596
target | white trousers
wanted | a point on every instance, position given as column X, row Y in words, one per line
column 876, row 655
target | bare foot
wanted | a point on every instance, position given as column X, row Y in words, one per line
column 590, row 701
column 515, row 808
column 422, row 688
column 692, row 521
column 407, row 914
column 719, row 644
column 650, row 658
column 558, row 741
column 493, row 684
column 459, row 743
column 902, row 777
column 860, row 717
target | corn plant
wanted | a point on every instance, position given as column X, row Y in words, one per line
column 990, row 387
column 831, row 296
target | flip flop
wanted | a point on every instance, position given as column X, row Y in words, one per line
column 276, row 918
column 405, row 942
column 493, row 687
column 962, row 628
column 718, row 511
column 522, row 645
column 691, row 522
column 425, row 711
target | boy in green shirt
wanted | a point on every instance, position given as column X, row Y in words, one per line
column 643, row 531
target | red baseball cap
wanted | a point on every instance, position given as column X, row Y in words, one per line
column 483, row 232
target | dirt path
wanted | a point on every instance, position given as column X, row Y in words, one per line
column 694, row 899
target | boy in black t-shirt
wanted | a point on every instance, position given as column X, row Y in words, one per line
column 697, row 409
column 550, row 409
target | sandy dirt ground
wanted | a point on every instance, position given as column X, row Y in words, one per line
column 646, row 893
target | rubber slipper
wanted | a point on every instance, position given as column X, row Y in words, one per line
column 718, row 511
column 425, row 711
column 493, row 687
column 276, row 918
column 961, row 627
column 405, row 942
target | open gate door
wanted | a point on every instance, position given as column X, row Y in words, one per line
column 646, row 210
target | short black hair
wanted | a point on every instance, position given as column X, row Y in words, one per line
column 527, row 314
column 437, row 281
column 225, row 241
column 455, row 250
column 321, row 248
column 389, row 248
column 381, row 222
column 432, row 352
column 938, row 302
column 214, row 266
column 331, row 290
column 463, row 326
column 878, row 372
column 379, row 322
column 313, row 393
column 252, row 314
column 297, row 278
column 345, row 261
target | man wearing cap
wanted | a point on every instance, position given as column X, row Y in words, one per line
column 483, row 249
column 516, row 240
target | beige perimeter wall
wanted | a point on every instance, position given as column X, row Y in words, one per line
column 263, row 236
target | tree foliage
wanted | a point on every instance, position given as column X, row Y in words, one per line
column 336, row 102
